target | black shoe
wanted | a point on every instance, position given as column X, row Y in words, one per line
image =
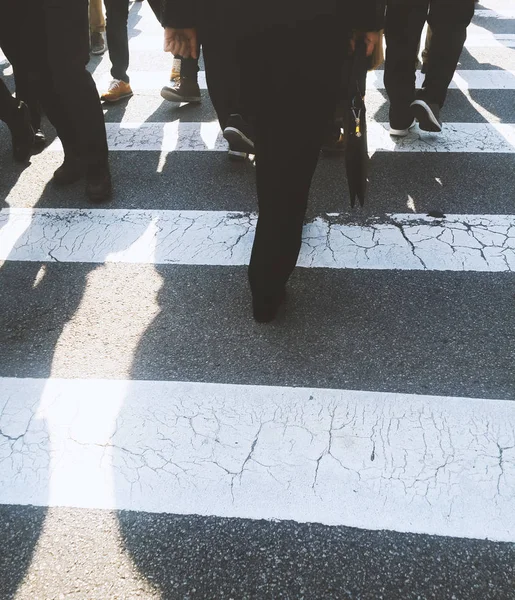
column 240, row 136
column 265, row 309
column 98, row 185
column 22, row 133
column 401, row 120
column 334, row 142
column 39, row 139
column 427, row 115
column 69, row 172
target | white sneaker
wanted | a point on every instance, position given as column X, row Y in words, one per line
column 428, row 115
column 402, row 132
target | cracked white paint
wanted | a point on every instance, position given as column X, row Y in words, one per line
column 179, row 136
column 146, row 81
column 423, row 464
column 403, row 242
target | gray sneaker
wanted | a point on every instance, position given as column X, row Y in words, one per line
column 427, row 115
column 97, row 43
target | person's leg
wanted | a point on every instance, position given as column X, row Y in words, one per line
column 183, row 86
column 404, row 23
column 96, row 27
column 225, row 69
column 189, row 68
column 16, row 115
column 117, row 14
column 448, row 22
column 75, row 106
column 96, row 17
column 223, row 64
column 11, row 32
column 7, row 103
column 284, row 178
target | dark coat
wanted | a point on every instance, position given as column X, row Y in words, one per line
column 252, row 15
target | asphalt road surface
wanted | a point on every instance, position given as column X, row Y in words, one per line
column 155, row 442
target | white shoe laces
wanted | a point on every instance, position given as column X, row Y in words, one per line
column 114, row 84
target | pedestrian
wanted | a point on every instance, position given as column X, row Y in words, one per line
column 97, row 27
column 224, row 89
column 24, row 84
column 53, row 38
column 117, row 15
column 16, row 116
column 275, row 44
column 183, row 85
column 405, row 20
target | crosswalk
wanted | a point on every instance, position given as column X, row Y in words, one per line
column 191, row 137
column 156, row 443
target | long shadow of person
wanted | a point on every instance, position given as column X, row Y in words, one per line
column 495, row 104
column 45, row 332
column 164, row 448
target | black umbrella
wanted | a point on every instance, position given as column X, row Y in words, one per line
column 356, row 149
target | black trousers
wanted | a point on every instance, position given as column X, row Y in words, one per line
column 290, row 128
column 25, row 88
column 53, row 39
column 7, row 103
column 405, row 20
column 224, row 60
column 267, row 82
column 117, row 15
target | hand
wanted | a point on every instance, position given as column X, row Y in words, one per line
column 371, row 39
column 181, row 42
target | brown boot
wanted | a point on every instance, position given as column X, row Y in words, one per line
column 183, row 89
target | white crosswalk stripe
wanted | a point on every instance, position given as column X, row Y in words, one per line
column 157, row 441
column 408, row 242
column 179, row 136
column 213, row 449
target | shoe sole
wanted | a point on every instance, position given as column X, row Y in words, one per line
column 113, row 101
column 98, row 52
column 238, row 156
column 238, row 141
column 171, row 96
column 425, row 117
column 402, row 132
